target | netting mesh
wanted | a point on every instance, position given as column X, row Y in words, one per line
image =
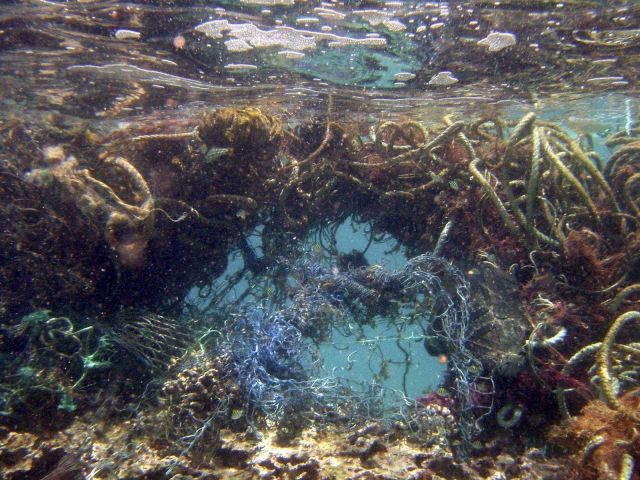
column 274, row 349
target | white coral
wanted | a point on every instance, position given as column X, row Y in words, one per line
column 442, row 79
column 497, row 41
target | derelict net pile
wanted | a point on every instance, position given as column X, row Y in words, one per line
column 270, row 361
column 98, row 222
column 269, row 351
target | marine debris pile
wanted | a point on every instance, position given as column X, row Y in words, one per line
column 524, row 278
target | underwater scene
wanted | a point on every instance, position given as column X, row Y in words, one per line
column 289, row 239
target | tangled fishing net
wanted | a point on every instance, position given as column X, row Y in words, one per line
column 272, row 364
column 271, row 351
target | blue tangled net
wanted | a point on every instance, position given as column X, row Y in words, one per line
column 443, row 289
column 271, row 362
column 271, row 349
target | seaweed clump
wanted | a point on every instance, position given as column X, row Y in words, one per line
column 137, row 222
column 603, row 440
column 251, row 134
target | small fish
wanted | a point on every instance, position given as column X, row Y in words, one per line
column 236, row 413
column 215, row 153
column 608, row 38
column 350, row 361
column 317, row 248
column 474, row 369
column 124, row 34
column 242, row 214
column 268, row 291
column 442, row 391
column 477, row 445
column 435, row 177
column 404, row 76
column 589, row 125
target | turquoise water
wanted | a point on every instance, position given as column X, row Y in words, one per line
column 388, row 354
